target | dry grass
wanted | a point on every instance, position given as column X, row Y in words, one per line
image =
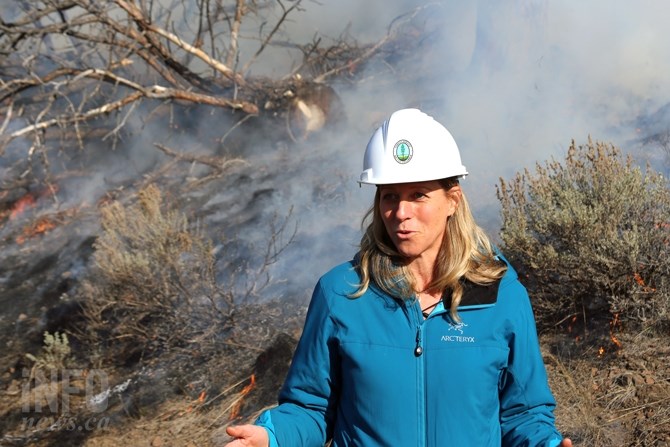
column 621, row 398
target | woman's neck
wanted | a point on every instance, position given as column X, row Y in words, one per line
column 422, row 270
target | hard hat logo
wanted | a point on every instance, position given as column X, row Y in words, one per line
column 402, row 151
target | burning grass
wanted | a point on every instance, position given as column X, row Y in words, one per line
column 40, row 226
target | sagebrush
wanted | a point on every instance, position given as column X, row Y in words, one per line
column 153, row 284
column 591, row 236
column 55, row 352
column 158, row 282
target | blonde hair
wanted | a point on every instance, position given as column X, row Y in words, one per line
column 466, row 252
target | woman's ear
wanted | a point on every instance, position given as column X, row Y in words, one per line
column 455, row 193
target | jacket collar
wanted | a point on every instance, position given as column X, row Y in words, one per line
column 475, row 295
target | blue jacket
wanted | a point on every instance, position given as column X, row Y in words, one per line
column 371, row 371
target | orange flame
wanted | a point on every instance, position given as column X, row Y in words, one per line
column 235, row 411
column 614, row 324
column 251, row 386
column 192, row 406
column 42, row 225
column 21, row 205
column 29, row 200
column 640, row 282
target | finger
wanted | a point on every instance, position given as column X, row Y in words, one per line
column 235, row 430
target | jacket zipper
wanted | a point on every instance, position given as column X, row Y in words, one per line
column 421, row 376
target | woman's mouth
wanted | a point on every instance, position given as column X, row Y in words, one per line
column 404, row 234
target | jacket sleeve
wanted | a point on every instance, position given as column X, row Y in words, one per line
column 308, row 399
column 526, row 402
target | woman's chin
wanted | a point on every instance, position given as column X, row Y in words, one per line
column 408, row 255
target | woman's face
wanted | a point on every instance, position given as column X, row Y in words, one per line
column 415, row 216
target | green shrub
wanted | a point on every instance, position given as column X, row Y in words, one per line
column 153, row 282
column 156, row 283
column 55, row 352
column 590, row 236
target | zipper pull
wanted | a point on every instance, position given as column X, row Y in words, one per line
column 418, row 350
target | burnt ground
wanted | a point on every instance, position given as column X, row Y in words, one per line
column 617, row 399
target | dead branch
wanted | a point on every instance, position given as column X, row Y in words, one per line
column 66, row 120
column 151, row 50
column 151, row 92
column 235, row 32
column 16, row 86
column 141, row 20
column 68, row 62
column 391, row 34
column 8, row 117
column 356, row 61
column 218, row 163
column 270, row 36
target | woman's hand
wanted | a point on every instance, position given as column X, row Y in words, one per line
column 565, row 443
column 250, row 436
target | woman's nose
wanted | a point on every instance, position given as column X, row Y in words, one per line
column 403, row 210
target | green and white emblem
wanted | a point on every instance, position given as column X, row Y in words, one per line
column 402, row 151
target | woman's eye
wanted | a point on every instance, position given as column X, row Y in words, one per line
column 419, row 195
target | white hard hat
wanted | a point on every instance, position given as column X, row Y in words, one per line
column 411, row 147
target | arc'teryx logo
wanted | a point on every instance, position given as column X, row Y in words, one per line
column 457, row 327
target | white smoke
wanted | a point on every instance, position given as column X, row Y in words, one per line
column 515, row 82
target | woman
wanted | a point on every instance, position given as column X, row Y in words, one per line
column 426, row 338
